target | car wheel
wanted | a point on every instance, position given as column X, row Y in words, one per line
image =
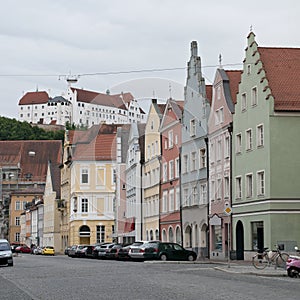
column 293, row 272
column 163, row 257
column 191, row 257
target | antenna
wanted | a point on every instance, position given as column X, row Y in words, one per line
column 220, row 61
column 170, row 90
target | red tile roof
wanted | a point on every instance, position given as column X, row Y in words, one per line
column 282, row 68
column 234, row 80
column 34, row 98
column 32, row 157
column 84, row 96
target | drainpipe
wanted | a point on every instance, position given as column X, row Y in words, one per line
column 180, row 195
column 208, row 200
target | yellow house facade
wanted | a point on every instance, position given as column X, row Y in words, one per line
column 92, row 186
column 152, row 172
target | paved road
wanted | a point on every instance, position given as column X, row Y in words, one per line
column 61, row 277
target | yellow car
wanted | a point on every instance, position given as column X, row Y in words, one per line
column 48, row 250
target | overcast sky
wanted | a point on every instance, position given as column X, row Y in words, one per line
column 42, row 41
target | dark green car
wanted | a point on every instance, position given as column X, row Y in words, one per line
column 167, row 251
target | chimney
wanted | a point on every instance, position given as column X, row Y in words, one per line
column 194, row 48
column 154, row 101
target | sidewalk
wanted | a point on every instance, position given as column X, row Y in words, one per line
column 246, row 267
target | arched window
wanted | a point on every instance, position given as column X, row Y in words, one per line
column 84, row 231
column 171, row 235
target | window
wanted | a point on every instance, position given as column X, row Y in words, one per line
column 18, row 205
column 177, row 167
column 212, row 153
column 249, row 139
column 84, row 176
column 202, row 158
column 185, row 197
column 171, row 169
column 260, row 183
column 165, row 172
column 177, row 203
column 171, row 200
column 195, row 195
column 17, row 237
column 238, row 187
column 238, row 145
column 219, row 150
column 164, row 202
column 219, row 188
column 254, row 96
column 203, row 194
column 249, row 185
column 193, row 127
column 100, row 232
column 227, row 147
column 84, row 205
column 170, row 136
column 185, row 164
column 260, row 135
column 226, row 187
column 17, row 221
column 244, row 102
column 212, row 190
column 193, row 161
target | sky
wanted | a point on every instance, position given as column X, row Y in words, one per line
column 137, row 46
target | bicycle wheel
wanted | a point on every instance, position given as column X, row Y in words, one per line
column 281, row 260
column 260, row 261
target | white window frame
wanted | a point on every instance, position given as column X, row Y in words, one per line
column 227, row 147
column 84, row 205
column 226, row 187
column 249, row 139
column 165, row 172
column 254, row 96
column 219, row 188
column 177, row 200
column 238, row 187
column 249, row 185
column 185, row 164
column 202, row 158
column 203, row 193
column 193, row 127
column 260, row 135
column 193, row 161
column 171, row 200
column 244, row 102
column 176, row 167
column 84, row 176
column 261, row 183
column 238, row 145
column 164, row 202
column 171, row 169
column 170, row 139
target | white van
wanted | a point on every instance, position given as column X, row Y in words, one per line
column 6, row 257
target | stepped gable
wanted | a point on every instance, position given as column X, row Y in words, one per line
column 34, row 98
column 234, row 77
column 84, row 95
column 31, row 156
column 282, row 68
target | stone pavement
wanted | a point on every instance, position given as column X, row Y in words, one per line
column 246, row 267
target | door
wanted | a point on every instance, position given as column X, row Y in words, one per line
column 239, row 241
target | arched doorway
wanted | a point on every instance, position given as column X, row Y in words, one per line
column 164, row 235
column 84, row 234
column 239, row 233
column 178, row 235
column 171, row 235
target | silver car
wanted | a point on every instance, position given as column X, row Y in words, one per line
column 6, row 257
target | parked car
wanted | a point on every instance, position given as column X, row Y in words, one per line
column 89, row 250
column 112, row 253
column 48, row 250
column 6, row 255
column 80, row 250
column 72, row 250
column 23, row 249
column 123, row 253
column 166, row 251
column 14, row 245
column 97, row 248
column 103, row 248
column 136, row 252
column 66, row 252
column 38, row 250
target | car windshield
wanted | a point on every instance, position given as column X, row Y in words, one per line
column 4, row 246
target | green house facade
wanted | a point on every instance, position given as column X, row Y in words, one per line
column 265, row 151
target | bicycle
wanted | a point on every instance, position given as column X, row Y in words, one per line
column 267, row 258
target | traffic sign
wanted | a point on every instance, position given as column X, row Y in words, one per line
column 228, row 210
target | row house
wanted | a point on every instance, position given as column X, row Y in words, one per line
column 80, row 107
column 151, row 172
column 170, row 213
column 193, row 154
column 265, row 150
column 90, row 157
column 224, row 90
